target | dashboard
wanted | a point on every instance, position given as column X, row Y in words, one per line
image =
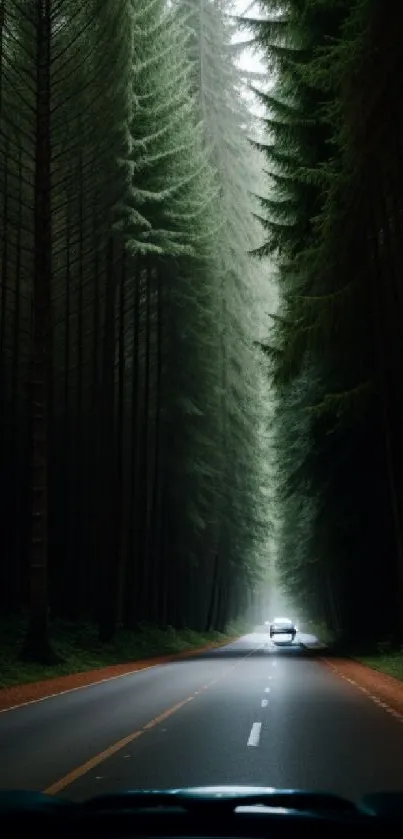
column 202, row 813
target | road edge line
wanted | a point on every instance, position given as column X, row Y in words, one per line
column 377, row 700
column 169, row 659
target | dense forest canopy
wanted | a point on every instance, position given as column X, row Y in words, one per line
column 166, row 214
column 133, row 394
column 333, row 221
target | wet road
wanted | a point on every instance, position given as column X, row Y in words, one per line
column 249, row 713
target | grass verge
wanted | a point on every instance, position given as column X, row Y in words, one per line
column 78, row 646
column 390, row 663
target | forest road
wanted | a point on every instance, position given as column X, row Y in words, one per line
column 247, row 713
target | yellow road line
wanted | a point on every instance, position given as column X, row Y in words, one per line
column 111, row 750
column 79, row 771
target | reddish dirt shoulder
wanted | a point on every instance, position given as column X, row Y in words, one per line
column 20, row 694
column 379, row 687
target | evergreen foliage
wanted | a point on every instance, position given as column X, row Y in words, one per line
column 133, row 397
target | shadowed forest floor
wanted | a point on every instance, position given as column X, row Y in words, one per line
column 81, row 652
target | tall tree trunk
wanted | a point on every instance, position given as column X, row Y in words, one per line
column 131, row 599
column 145, row 455
column 37, row 645
column 212, row 611
column 107, row 553
column 382, row 376
column 121, row 440
column 154, row 544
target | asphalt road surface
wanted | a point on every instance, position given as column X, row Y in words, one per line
column 250, row 713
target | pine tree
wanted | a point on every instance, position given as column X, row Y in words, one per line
column 241, row 508
column 337, row 406
column 127, row 219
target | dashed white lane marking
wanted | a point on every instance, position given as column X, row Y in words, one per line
column 374, row 699
column 254, row 735
column 267, row 690
column 264, row 703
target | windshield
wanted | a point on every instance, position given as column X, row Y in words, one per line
column 201, row 421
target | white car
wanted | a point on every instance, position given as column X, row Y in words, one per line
column 283, row 626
